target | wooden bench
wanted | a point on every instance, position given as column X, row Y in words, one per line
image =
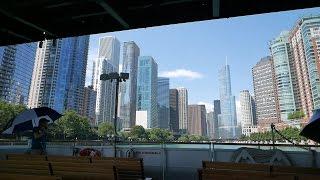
column 127, row 168
column 25, row 167
column 6, row 176
column 75, row 171
column 236, row 166
column 215, row 174
column 25, row 157
column 221, row 170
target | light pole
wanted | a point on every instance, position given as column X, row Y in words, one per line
column 118, row 78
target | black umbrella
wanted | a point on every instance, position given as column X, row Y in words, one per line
column 312, row 129
column 29, row 119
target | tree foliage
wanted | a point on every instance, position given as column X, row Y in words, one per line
column 296, row 115
column 74, row 126
column 8, row 112
column 290, row 133
column 104, row 129
column 193, row 138
column 137, row 133
column 159, row 135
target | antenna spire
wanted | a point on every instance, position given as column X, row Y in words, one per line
column 226, row 60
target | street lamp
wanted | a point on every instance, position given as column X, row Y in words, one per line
column 114, row 76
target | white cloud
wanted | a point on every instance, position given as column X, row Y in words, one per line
column 209, row 106
column 182, row 73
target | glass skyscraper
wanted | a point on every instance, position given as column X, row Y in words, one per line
column 128, row 89
column 216, row 116
column 228, row 119
column 59, row 74
column 309, row 34
column 174, row 110
column 16, row 67
column 282, row 56
column 107, row 62
column 163, row 102
column 147, row 89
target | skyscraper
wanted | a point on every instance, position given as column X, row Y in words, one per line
column 282, row 56
column 174, row 110
column 147, row 84
column 163, row 102
column 197, row 120
column 89, row 104
column 246, row 112
column 107, row 62
column 16, row 67
column 216, row 115
column 128, row 89
column 228, row 122
column 305, row 39
column 183, row 109
column 210, row 124
column 59, row 74
column 267, row 108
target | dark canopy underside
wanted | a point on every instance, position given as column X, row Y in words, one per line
column 33, row 20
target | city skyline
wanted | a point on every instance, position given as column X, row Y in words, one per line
column 279, row 80
column 184, row 72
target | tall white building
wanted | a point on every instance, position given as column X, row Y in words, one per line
column 247, row 113
column 246, row 110
column 107, row 62
column 183, row 108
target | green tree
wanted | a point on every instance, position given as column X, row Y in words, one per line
column 184, row 138
column 104, row 129
column 160, row 135
column 137, row 133
column 296, row 115
column 9, row 111
column 290, row 133
column 55, row 131
column 193, row 138
column 74, row 125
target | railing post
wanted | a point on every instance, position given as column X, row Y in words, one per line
column 213, row 153
column 164, row 161
column 210, row 152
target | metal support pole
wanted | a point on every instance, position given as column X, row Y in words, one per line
column 116, row 118
column 272, row 133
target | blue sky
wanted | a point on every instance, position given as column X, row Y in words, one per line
column 192, row 53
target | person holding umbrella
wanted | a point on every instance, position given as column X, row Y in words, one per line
column 37, row 120
column 39, row 138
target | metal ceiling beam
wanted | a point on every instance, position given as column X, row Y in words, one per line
column 89, row 15
column 113, row 13
column 215, row 8
column 8, row 14
column 15, row 34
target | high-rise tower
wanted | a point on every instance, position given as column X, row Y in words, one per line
column 265, row 92
column 228, row 119
column 183, row 109
column 128, row 89
column 284, row 74
column 59, row 74
column 107, row 62
column 163, row 102
column 16, row 67
column 147, row 89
